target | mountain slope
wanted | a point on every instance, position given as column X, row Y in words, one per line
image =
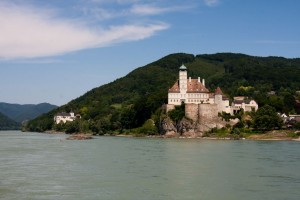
column 129, row 101
column 8, row 124
column 20, row 113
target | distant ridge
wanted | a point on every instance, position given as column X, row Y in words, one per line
column 21, row 113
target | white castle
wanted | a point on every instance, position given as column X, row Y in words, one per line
column 65, row 117
column 193, row 91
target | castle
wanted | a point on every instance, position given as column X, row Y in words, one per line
column 199, row 102
column 65, row 117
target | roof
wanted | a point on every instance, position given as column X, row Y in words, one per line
column 218, row 91
column 182, row 67
column 239, row 98
column 175, row 87
column 63, row 114
column 193, row 86
column 246, row 101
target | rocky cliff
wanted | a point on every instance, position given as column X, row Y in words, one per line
column 199, row 118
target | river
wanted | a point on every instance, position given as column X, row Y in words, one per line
column 35, row 166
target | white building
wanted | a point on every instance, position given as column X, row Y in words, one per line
column 65, row 117
column 188, row 90
column 244, row 103
column 193, row 91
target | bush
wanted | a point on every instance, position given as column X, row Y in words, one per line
column 148, row 128
column 178, row 113
column 72, row 127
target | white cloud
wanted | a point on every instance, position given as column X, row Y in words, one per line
column 211, row 2
column 145, row 9
column 101, row 14
column 29, row 32
column 129, row 33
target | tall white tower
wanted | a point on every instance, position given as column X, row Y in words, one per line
column 183, row 82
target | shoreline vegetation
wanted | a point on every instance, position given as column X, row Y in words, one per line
column 275, row 135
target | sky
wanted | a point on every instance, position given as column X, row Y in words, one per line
column 56, row 50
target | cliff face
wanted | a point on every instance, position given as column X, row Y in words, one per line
column 199, row 118
column 188, row 128
column 184, row 127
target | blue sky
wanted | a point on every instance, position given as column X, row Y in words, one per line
column 56, row 50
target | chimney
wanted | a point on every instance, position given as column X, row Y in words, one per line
column 190, row 79
column 199, row 80
column 203, row 82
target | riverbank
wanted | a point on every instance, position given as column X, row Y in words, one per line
column 275, row 135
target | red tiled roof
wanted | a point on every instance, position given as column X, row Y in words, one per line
column 219, row 91
column 193, row 86
column 175, row 87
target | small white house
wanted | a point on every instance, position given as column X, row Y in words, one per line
column 244, row 103
column 65, row 117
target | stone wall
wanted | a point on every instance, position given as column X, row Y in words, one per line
column 192, row 111
column 205, row 115
column 208, row 112
column 200, row 118
column 169, row 107
column 208, row 117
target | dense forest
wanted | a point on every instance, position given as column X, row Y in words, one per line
column 134, row 102
column 8, row 124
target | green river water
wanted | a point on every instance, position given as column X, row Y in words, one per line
column 35, row 166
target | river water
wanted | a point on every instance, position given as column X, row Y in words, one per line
column 35, row 166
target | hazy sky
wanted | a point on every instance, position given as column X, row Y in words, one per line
column 56, row 50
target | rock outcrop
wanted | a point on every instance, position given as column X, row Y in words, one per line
column 199, row 118
column 189, row 128
column 79, row 137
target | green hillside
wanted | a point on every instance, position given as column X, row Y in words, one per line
column 20, row 113
column 128, row 102
column 8, row 124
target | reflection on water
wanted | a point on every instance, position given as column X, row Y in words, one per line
column 43, row 166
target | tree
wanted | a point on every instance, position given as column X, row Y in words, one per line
column 225, row 116
column 266, row 118
column 178, row 113
column 72, row 127
column 289, row 102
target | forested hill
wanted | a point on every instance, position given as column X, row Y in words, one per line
column 8, row 124
column 129, row 101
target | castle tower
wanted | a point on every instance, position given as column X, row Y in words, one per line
column 183, row 79
column 221, row 101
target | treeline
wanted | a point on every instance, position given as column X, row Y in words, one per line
column 134, row 101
